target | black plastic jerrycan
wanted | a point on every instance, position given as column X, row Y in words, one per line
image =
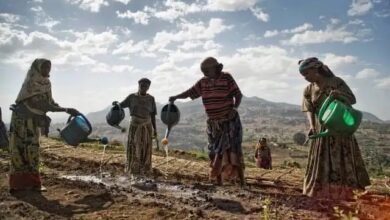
column 115, row 115
column 170, row 116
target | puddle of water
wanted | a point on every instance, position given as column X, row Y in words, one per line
column 141, row 184
column 86, row 178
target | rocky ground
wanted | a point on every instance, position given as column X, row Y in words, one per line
column 84, row 183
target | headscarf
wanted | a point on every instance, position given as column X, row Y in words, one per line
column 313, row 62
column 34, row 83
column 210, row 62
column 146, row 80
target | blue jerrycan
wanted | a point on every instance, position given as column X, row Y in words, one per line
column 76, row 130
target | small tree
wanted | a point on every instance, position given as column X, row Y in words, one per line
column 299, row 138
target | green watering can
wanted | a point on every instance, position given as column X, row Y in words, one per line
column 338, row 118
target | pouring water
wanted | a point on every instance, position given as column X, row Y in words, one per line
column 103, row 141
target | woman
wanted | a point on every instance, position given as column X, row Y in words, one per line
column 142, row 129
column 221, row 98
column 263, row 155
column 27, row 120
column 335, row 165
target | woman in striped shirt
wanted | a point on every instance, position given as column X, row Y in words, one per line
column 221, row 97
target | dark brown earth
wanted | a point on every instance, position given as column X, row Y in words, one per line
column 177, row 189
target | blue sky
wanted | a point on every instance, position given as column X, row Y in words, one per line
column 100, row 48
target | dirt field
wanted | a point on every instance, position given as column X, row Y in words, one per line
column 80, row 188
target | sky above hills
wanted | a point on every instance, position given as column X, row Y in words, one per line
column 100, row 48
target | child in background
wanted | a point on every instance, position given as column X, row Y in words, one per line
column 263, row 155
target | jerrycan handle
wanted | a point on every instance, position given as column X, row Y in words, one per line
column 116, row 104
column 319, row 135
column 85, row 119
column 324, row 106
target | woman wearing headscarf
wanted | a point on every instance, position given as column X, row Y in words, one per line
column 221, row 97
column 142, row 129
column 27, row 121
column 335, row 165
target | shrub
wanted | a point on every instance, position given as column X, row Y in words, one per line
column 299, row 138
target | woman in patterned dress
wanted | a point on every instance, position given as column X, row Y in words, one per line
column 335, row 165
column 27, row 121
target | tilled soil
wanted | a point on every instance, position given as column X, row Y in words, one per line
column 83, row 183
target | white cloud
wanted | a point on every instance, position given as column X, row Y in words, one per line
column 190, row 31
column 139, row 17
column 9, row 18
column 123, row 1
column 130, row 47
column 170, row 11
column 175, row 9
column 334, row 21
column 335, row 61
column 356, row 22
column 105, row 68
column 20, row 48
column 260, row 14
column 271, row 33
column 367, row 73
column 191, row 44
column 38, row 1
column 383, row 83
column 89, row 5
column 42, row 19
column 383, row 13
column 94, row 43
column 298, row 29
column 74, row 59
column 322, row 36
column 223, row 5
column 360, row 7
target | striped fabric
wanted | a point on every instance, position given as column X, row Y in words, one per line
column 217, row 94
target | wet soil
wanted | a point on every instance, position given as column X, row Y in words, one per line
column 178, row 188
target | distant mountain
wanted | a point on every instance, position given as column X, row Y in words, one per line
column 372, row 118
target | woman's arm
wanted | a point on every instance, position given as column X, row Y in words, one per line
column 237, row 100
column 343, row 93
column 182, row 95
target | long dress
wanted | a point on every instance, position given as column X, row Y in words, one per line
column 139, row 142
column 335, row 164
column 24, row 146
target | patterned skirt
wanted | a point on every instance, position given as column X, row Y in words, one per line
column 335, row 168
column 24, row 152
column 139, row 147
column 225, row 151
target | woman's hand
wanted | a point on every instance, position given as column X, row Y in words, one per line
column 72, row 111
column 172, row 99
column 312, row 131
column 335, row 94
column 232, row 113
